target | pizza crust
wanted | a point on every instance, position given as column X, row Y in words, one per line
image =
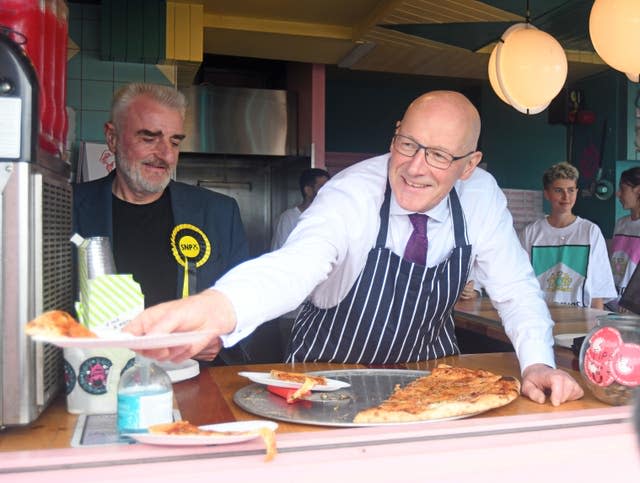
column 446, row 393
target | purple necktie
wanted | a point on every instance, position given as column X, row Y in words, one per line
column 416, row 250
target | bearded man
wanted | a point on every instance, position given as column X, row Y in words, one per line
column 175, row 239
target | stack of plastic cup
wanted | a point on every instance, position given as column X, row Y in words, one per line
column 92, row 375
column 95, row 258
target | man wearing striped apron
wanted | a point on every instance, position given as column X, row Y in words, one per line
column 397, row 311
column 385, row 250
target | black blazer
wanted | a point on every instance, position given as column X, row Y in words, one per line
column 217, row 215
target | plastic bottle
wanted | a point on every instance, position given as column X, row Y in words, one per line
column 145, row 397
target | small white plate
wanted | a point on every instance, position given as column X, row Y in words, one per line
column 126, row 340
column 195, row 440
column 566, row 340
column 180, row 371
column 266, row 379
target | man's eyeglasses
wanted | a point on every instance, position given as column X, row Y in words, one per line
column 435, row 157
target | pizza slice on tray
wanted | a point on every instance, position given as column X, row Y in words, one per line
column 57, row 323
column 445, row 393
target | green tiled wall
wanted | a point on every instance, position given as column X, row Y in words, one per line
column 91, row 82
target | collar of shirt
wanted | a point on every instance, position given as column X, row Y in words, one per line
column 438, row 232
column 439, row 213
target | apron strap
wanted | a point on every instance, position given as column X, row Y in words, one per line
column 384, row 217
column 459, row 225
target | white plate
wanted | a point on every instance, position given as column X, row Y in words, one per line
column 566, row 340
column 266, row 379
column 180, row 371
column 126, row 340
column 193, row 440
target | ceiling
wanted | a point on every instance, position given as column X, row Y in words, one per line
column 450, row 38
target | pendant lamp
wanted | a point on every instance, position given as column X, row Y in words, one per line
column 614, row 28
column 527, row 68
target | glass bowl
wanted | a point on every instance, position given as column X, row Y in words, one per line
column 610, row 358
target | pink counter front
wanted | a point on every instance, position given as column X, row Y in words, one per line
column 586, row 445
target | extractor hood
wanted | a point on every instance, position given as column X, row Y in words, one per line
column 234, row 120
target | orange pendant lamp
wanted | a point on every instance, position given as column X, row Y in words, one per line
column 527, row 68
column 614, row 28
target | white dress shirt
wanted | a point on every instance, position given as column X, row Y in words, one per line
column 287, row 221
column 327, row 250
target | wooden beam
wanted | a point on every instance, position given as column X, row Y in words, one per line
column 184, row 31
column 282, row 27
column 376, row 16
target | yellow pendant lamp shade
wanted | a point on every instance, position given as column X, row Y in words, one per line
column 614, row 27
column 527, row 68
column 493, row 76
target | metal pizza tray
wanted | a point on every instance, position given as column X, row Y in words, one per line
column 369, row 387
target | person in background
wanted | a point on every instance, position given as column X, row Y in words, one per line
column 383, row 281
column 175, row 239
column 472, row 289
column 311, row 180
column 469, row 291
column 625, row 246
column 568, row 253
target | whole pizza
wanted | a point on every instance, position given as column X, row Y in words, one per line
column 445, row 393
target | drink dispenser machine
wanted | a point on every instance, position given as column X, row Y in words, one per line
column 35, row 253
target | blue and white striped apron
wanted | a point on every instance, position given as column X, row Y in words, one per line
column 396, row 311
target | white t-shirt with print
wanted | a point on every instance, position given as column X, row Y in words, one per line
column 571, row 263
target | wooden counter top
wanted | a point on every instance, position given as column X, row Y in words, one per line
column 481, row 318
column 479, row 315
column 507, row 443
column 208, row 399
column 228, row 382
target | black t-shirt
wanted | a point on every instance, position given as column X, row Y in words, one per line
column 142, row 246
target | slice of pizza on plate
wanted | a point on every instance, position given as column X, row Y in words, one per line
column 185, row 428
column 300, row 377
column 57, row 323
column 308, row 382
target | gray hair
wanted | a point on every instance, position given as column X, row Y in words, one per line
column 562, row 170
column 167, row 96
